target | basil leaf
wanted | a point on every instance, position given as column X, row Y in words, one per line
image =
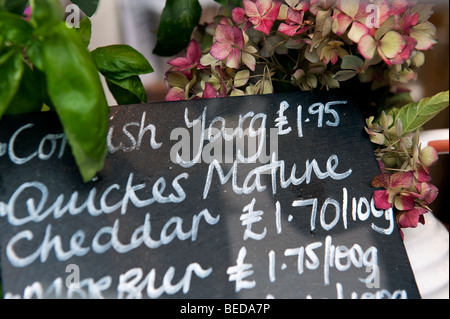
column 85, row 30
column 121, row 95
column 120, row 62
column 28, row 97
column 36, row 56
column 34, row 53
column 89, row 7
column 45, row 14
column 127, row 91
column 14, row 29
column 178, row 20
column 415, row 115
column 77, row 95
column 11, row 70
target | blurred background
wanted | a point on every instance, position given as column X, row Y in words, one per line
column 135, row 22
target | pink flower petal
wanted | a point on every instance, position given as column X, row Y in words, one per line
column 303, row 6
column 209, row 92
column 380, row 165
column 428, row 157
column 422, row 176
column 238, row 15
column 224, row 34
column 238, row 37
column 251, row 9
column 265, row 26
column 27, row 13
column 367, row 46
column 220, row 50
column 274, row 12
column 409, row 219
column 428, row 192
column 381, row 199
column 384, row 11
column 399, row 7
column 175, row 94
column 194, row 52
column 289, row 30
column 225, row 21
column 402, row 179
column 334, row 58
column 295, row 16
column 357, row 31
column 180, row 62
column 405, row 202
column 406, row 53
column 342, row 22
column 262, row 13
column 409, row 21
column 263, row 6
column 256, row 21
column 301, row 30
column 233, row 60
column 432, row 195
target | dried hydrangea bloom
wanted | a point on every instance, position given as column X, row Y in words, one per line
column 229, row 43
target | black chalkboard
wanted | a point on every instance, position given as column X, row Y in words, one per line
column 282, row 210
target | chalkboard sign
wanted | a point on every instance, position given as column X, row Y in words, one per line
column 247, row 197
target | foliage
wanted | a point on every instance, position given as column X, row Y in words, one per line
column 405, row 165
column 88, row 6
column 45, row 64
column 304, row 45
column 178, row 19
column 267, row 46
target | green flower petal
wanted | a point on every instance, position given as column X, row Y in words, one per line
column 392, row 44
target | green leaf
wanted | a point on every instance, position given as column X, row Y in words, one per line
column 178, row 20
column 16, row 6
column 241, row 78
column 14, row 29
column 415, row 115
column 120, row 62
column 85, row 30
column 34, row 53
column 352, row 62
column 11, row 70
column 89, row 7
column 344, row 75
column 177, row 79
column 394, row 103
column 45, row 14
column 127, row 91
column 28, row 98
column 230, row 3
column 77, row 95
